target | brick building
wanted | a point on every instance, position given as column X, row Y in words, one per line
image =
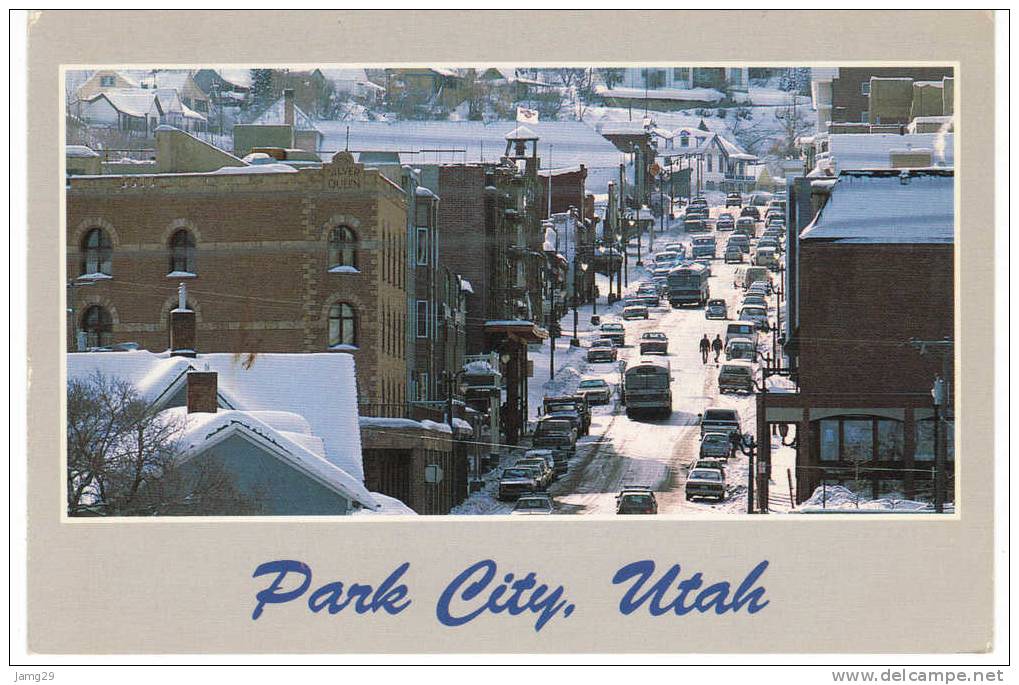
column 275, row 259
column 872, row 271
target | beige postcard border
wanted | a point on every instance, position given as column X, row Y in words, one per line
column 879, row 580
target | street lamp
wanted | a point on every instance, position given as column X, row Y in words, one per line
column 575, row 341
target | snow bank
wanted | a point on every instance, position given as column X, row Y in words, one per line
column 839, row 497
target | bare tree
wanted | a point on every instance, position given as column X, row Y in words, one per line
column 123, row 459
column 750, row 134
column 794, row 123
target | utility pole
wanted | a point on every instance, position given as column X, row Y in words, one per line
column 747, row 444
column 941, row 396
column 621, row 228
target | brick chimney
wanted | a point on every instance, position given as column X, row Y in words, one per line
column 202, row 392
column 288, row 107
column 182, row 326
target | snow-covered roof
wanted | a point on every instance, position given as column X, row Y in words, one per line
column 697, row 94
column 355, row 75
column 166, row 79
column 574, row 142
column 521, row 133
column 135, row 102
column 287, row 434
column 877, row 207
column 275, row 115
column 80, row 151
column 320, row 387
column 871, row 150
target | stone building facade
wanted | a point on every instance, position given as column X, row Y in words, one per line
column 274, row 259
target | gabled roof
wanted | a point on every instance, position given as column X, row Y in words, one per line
column 135, row 102
column 320, row 387
column 275, row 115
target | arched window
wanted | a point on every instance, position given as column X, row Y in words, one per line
column 98, row 253
column 342, row 325
column 182, row 252
column 342, row 252
column 97, row 324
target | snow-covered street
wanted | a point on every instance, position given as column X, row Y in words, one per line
column 653, row 452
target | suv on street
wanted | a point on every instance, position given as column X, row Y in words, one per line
column 614, row 332
column 706, row 483
column 725, row 222
column 695, row 225
column 733, row 255
column 568, row 406
column 636, row 499
column 742, row 349
column 736, row 377
column 602, row 350
column 733, row 200
column 740, row 330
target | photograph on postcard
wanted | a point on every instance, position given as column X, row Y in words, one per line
column 701, row 290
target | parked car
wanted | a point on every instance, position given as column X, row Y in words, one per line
column 546, row 474
column 635, row 311
column 615, row 332
column 516, row 481
column 733, row 200
column 696, row 225
column 716, row 464
column 719, row 420
column 602, row 350
column 733, row 255
column 547, row 455
column 769, row 242
column 654, row 342
column 736, row 377
column 716, row 445
column 740, row 241
column 705, row 484
column 751, row 211
column 757, row 315
column 636, row 499
column 742, row 349
column 560, row 458
column 678, row 248
column 569, row 406
column 535, row 504
column 597, row 390
column 716, row 309
column 555, row 433
column 740, row 330
column 725, row 222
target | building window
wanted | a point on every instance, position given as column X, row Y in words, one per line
column 684, row 140
column 422, row 246
column 421, row 319
column 681, row 74
column 182, row 252
column 342, row 252
column 423, row 212
column 925, row 440
column 865, row 88
column 107, row 81
column 865, row 117
column 860, row 439
column 97, row 324
column 653, row 78
column 201, row 106
column 98, row 251
column 710, row 158
column 342, row 325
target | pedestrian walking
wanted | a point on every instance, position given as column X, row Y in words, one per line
column 716, row 345
column 705, row 348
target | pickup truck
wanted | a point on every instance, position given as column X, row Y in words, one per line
column 717, row 420
column 556, row 434
column 567, row 405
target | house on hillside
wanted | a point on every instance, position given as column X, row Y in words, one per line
column 674, row 88
column 716, row 163
column 433, row 87
column 356, row 84
column 103, row 79
column 192, row 96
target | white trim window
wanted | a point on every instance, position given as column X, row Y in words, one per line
column 422, row 246
column 421, row 319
